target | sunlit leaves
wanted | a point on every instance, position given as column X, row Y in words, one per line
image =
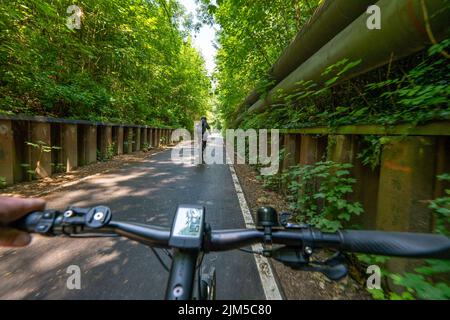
column 129, row 62
column 252, row 36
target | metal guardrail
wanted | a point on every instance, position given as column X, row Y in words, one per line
column 438, row 128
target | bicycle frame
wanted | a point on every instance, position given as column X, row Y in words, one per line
column 182, row 275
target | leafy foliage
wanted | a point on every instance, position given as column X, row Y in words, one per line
column 387, row 96
column 251, row 38
column 370, row 154
column 273, row 182
column 41, row 148
column 3, row 183
column 413, row 97
column 109, row 152
column 318, row 194
column 429, row 280
column 146, row 147
column 441, row 208
column 131, row 61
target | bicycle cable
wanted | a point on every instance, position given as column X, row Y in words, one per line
column 250, row 251
column 160, row 259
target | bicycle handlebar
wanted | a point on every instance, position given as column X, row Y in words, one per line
column 400, row 244
column 414, row 245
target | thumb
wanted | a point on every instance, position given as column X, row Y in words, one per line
column 13, row 238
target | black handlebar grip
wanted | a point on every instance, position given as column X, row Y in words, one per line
column 36, row 222
column 29, row 222
column 400, row 244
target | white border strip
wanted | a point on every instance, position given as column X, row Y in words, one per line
column 270, row 287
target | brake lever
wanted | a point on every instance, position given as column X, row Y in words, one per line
column 334, row 273
column 334, row 268
column 285, row 221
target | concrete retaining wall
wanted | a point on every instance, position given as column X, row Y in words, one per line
column 395, row 195
column 64, row 145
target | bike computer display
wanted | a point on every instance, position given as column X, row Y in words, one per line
column 187, row 227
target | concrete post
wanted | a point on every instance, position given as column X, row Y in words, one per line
column 168, row 137
column 105, row 139
column 150, row 137
column 129, row 138
column 160, row 136
column 144, row 137
column 90, row 139
column 69, row 146
column 6, row 152
column 21, row 153
column 157, row 137
column 406, row 184
column 119, row 141
column 108, row 136
column 292, row 143
column 442, row 165
column 137, row 139
column 312, row 149
column 125, row 140
column 40, row 160
column 342, row 148
column 365, row 191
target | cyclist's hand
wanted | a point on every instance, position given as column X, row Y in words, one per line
column 12, row 209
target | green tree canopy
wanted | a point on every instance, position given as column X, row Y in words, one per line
column 131, row 61
column 252, row 36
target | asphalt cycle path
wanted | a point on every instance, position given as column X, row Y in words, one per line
column 116, row 268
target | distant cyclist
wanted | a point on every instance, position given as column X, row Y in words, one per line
column 205, row 128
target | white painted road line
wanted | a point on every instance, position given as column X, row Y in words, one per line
column 270, row 287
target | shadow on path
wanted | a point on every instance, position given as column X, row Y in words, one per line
column 115, row 268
